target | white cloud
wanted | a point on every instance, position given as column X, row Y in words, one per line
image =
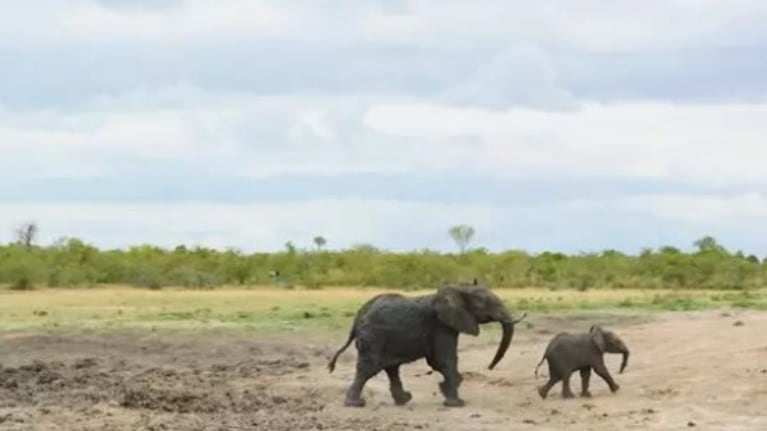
column 709, row 145
column 744, row 211
column 592, row 24
column 523, row 75
column 88, row 143
column 86, row 21
column 705, row 144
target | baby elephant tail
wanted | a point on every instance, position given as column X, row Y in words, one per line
column 539, row 365
column 332, row 363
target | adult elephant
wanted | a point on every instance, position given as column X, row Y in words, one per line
column 391, row 329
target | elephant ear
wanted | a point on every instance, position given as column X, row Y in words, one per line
column 598, row 338
column 451, row 310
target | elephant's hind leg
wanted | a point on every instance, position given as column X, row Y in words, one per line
column 566, row 391
column 554, row 378
column 365, row 370
column 398, row 392
column 585, row 376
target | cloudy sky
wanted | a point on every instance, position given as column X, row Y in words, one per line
column 546, row 124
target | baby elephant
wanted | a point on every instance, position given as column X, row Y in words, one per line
column 569, row 352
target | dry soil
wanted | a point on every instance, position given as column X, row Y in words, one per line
column 703, row 370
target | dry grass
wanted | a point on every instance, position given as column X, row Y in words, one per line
column 331, row 308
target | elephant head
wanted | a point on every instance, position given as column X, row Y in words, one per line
column 607, row 342
column 465, row 307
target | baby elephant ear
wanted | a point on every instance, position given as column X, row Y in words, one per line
column 598, row 338
column 451, row 310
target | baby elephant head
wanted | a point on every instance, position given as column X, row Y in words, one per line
column 607, row 342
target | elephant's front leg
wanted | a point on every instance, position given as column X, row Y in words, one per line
column 446, row 359
column 398, row 392
column 585, row 376
column 601, row 370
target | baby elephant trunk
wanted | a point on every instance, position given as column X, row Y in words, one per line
column 625, row 360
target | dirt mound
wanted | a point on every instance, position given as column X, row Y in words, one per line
column 53, row 383
column 37, row 373
column 206, row 401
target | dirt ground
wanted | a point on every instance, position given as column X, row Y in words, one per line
column 687, row 370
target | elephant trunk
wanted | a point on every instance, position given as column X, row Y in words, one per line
column 625, row 360
column 507, row 325
column 508, row 332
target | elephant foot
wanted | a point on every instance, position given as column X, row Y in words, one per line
column 586, row 394
column 542, row 392
column 454, row 402
column 354, row 402
column 567, row 395
column 615, row 388
column 443, row 389
column 402, row 398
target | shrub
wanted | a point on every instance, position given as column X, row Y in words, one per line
column 73, row 263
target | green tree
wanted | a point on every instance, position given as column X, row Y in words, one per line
column 462, row 235
column 290, row 248
column 709, row 244
column 26, row 235
column 320, row 242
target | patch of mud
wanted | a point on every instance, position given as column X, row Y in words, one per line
column 204, row 401
column 46, row 383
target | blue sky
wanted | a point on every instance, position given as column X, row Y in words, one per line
column 546, row 125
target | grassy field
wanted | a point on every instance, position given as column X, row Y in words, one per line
column 269, row 309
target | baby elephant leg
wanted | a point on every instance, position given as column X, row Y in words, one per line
column 554, row 378
column 601, row 370
column 365, row 371
column 566, row 391
column 585, row 376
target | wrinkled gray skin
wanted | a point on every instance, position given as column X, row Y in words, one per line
column 583, row 352
column 391, row 330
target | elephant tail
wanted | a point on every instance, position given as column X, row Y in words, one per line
column 353, row 332
column 539, row 365
column 332, row 363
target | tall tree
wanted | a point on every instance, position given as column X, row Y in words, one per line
column 320, row 241
column 290, row 248
column 462, row 235
column 709, row 244
column 26, row 234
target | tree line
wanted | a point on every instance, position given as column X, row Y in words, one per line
column 71, row 262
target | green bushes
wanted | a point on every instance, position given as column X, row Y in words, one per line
column 74, row 263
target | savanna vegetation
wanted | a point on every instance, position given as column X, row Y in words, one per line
column 72, row 262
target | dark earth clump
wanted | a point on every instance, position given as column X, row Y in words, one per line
column 126, row 383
